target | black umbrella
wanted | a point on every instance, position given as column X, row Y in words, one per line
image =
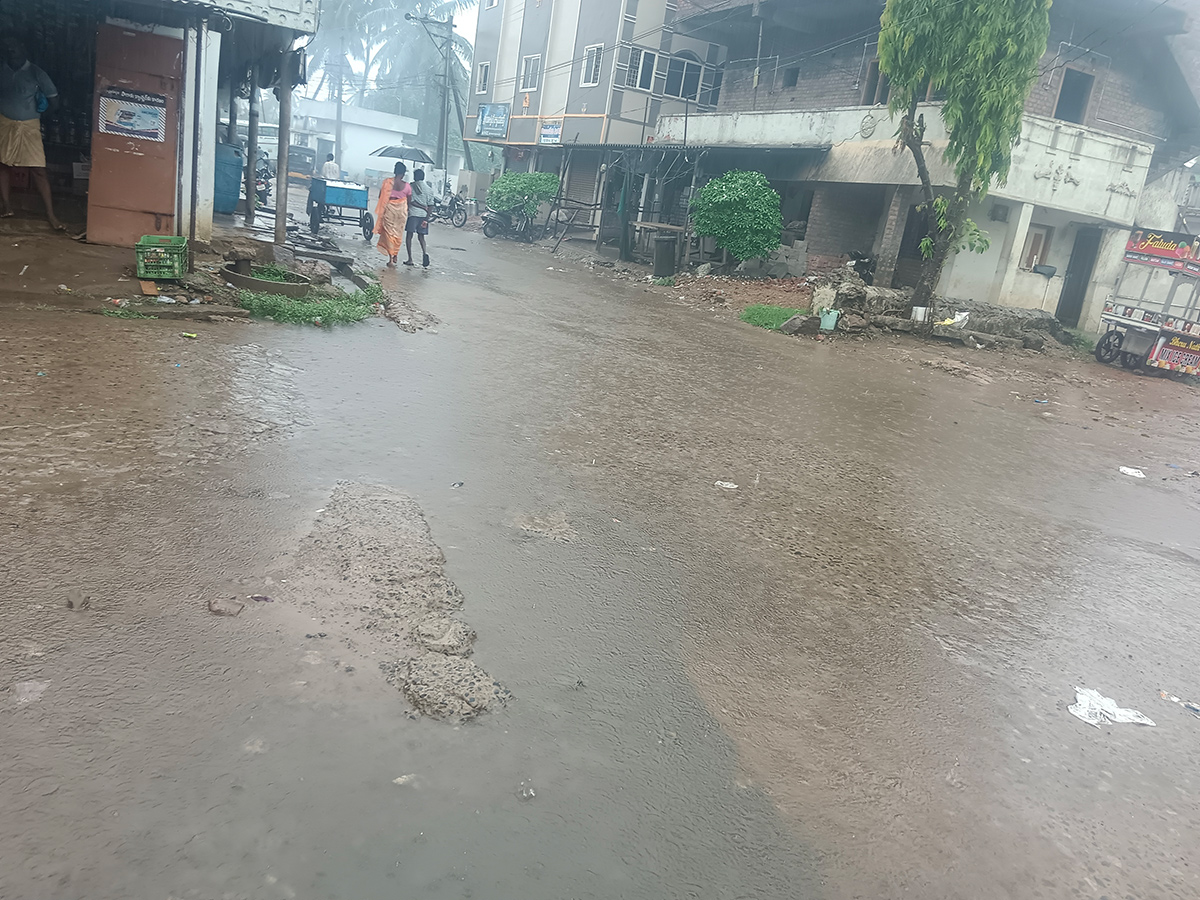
column 409, row 153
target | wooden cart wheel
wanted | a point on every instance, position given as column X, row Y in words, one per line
column 1108, row 348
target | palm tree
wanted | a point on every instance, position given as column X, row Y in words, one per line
column 396, row 66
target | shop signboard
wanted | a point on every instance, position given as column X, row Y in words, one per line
column 551, row 132
column 1165, row 250
column 493, row 120
column 133, row 114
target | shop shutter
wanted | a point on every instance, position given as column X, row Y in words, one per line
column 581, row 177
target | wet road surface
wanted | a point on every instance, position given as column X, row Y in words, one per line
column 845, row 678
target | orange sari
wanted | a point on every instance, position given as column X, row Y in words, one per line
column 390, row 217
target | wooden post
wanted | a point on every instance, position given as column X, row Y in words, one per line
column 252, row 148
column 285, row 139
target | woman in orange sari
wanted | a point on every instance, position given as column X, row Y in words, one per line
column 391, row 213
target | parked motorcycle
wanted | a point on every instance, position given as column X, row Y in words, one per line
column 262, row 179
column 506, row 223
column 450, row 209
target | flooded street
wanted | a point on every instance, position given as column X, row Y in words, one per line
column 846, row 677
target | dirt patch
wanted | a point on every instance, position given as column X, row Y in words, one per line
column 371, row 561
column 446, row 687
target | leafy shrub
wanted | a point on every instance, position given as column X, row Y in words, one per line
column 522, row 192
column 741, row 211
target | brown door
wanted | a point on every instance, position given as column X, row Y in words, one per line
column 135, row 139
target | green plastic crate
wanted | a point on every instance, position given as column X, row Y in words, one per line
column 161, row 256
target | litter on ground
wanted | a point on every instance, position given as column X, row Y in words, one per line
column 1094, row 708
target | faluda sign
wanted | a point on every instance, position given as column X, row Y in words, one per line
column 1165, row 250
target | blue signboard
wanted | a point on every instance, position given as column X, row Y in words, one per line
column 493, row 120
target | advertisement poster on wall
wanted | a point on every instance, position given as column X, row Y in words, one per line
column 1164, row 250
column 493, row 120
column 134, row 114
column 551, row 132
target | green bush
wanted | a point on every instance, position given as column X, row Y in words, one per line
column 741, row 211
column 522, row 192
column 770, row 317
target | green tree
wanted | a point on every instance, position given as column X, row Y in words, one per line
column 522, row 192
column 740, row 210
column 982, row 57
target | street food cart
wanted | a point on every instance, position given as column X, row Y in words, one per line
column 339, row 201
column 1168, row 337
column 1138, row 337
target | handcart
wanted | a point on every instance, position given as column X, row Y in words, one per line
column 339, row 201
column 1137, row 337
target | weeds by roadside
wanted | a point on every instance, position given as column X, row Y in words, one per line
column 665, row 282
column 1081, row 342
column 769, row 317
column 118, row 313
column 273, row 271
column 324, row 310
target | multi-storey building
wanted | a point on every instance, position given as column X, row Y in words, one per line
column 792, row 88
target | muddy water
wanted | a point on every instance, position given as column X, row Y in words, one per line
column 845, row 678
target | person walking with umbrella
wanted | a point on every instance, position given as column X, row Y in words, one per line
column 391, row 214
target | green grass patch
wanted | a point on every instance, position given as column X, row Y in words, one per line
column 119, row 313
column 770, row 317
column 319, row 310
column 273, row 271
column 669, row 281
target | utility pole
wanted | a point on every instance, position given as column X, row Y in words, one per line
column 446, row 48
column 341, row 80
column 285, row 139
column 444, row 125
column 252, row 148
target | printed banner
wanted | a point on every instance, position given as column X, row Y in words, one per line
column 134, row 114
column 1176, row 354
column 1164, row 249
column 551, row 131
column 493, row 120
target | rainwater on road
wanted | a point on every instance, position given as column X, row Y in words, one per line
column 845, row 678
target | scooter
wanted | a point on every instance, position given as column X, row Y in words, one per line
column 497, row 223
column 451, row 210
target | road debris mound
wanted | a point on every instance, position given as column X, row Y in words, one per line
column 447, row 687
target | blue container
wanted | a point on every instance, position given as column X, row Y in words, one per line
column 229, row 169
column 829, row 319
column 345, row 194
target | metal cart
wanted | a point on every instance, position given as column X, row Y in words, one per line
column 1137, row 337
column 339, row 201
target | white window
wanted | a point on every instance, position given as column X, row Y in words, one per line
column 482, row 80
column 592, row 58
column 531, row 72
column 641, row 69
column 491, row 4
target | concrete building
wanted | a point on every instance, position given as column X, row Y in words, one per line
column 1109, row 114
column 792, row 88
column 363, row 132
column 136, row 133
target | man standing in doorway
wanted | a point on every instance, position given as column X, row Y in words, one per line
column 331, row 171
column 25, row 93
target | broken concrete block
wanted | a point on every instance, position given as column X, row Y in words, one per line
column 801, row 325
